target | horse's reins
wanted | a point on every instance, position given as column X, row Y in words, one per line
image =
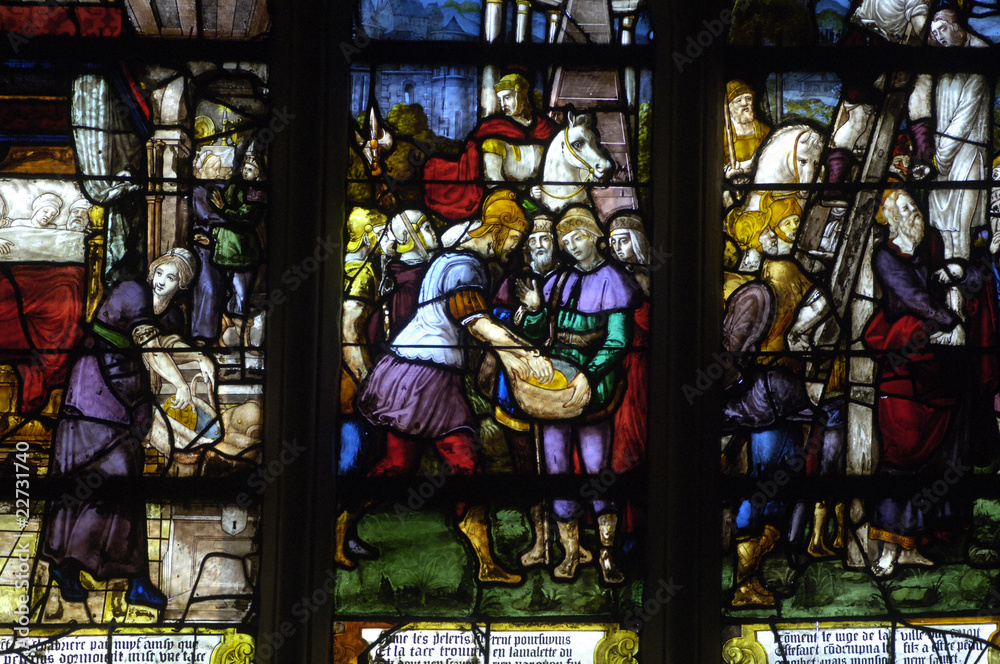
column 795, row 164
column 580, row 159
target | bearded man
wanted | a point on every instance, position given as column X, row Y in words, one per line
column 917, row 391
column 744, row 132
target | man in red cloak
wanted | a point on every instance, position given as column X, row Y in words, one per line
column 454, row 189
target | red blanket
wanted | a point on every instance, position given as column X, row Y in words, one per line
column 41, row 311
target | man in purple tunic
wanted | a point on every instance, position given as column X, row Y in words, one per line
column 416, row 390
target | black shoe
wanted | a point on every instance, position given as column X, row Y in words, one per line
column 142, row 591
column 67, row 575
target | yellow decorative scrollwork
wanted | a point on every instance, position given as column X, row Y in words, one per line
column 993, row 653
column 743, row 650
column 235, row 649
column 619, row 646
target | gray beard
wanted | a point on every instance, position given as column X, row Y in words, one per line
column 538, row 268
column 743, row 122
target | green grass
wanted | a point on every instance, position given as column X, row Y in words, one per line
column 426, row 568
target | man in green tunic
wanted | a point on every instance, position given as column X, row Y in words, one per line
column 587, row 309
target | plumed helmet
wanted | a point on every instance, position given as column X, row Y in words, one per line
column 578, row 219
column 779, row 208
column 735, row 88
column 501, row 207
column 400, row 228
column 746, row 227
column 362, row 223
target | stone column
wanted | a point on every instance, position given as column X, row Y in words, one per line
column 523, row 33
column 493, row 20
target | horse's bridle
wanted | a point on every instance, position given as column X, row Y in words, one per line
column 795, row 163
column 590, row 169
column 795, row 153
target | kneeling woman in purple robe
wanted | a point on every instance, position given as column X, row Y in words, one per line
column 105, row 415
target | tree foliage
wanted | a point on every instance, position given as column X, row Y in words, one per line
column 415, row 143
column 775, row 22
column 645, row 159
column 811, row 109
column 466, row 7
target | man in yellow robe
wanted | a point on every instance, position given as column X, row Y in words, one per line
column 744, row 132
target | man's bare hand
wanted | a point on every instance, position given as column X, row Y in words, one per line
column 581, row 391
column 954, row 338
column 201, row 238
column 540, row 366
column 5, row 246
column 207, row 369
column 515, row 364
column 529, row 292
column 182, row 398
column 951, row 273
column 995, row 243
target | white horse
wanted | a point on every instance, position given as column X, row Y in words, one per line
column 573, row 160
column 790, row 155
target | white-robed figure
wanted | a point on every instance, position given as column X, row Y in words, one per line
column 949, row 122
column 962, row 115
column 895, row 20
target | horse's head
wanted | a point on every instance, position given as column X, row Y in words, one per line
column 808, row 148
column 584, row 149
column 789, row 155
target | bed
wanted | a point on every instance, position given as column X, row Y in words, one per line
column 49, row 283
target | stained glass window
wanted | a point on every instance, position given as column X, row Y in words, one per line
column 860, row 348
column 495, row 320
column 133, row 228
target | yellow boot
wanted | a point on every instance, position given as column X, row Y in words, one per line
column 569, row 538
column 750, row 553
column 817, row 547
column 344, row 522
column 841, row 538
column 473, row 525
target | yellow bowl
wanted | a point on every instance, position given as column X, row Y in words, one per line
column 558, row 382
